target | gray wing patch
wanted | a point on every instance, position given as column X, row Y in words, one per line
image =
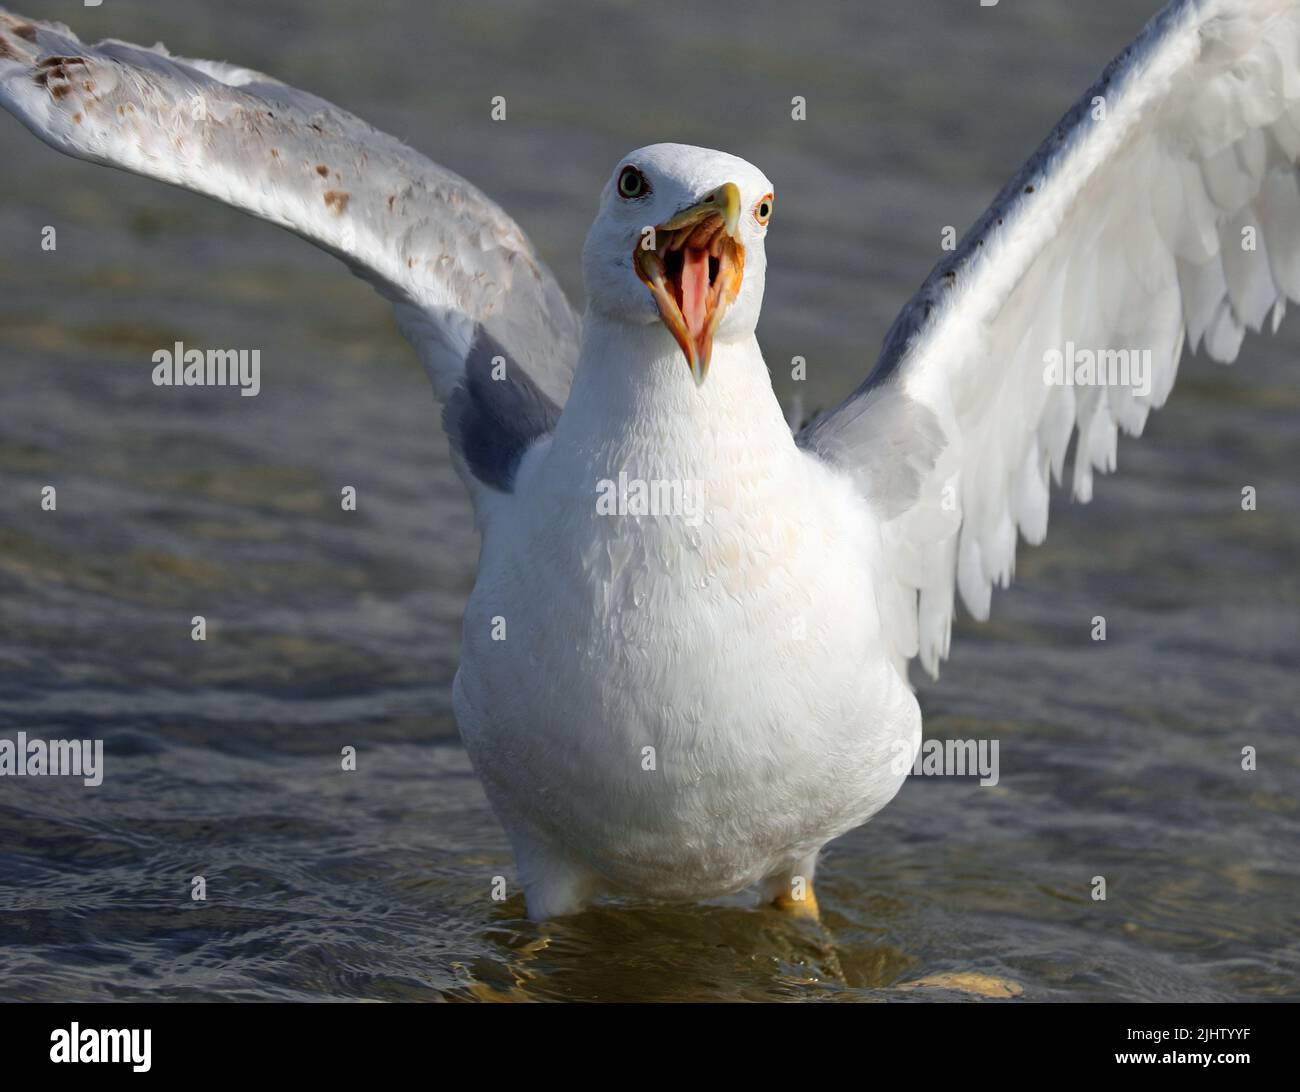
column 496, row 413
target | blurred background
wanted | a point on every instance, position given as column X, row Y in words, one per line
column 329, row 629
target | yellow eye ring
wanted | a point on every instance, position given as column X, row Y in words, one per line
column 763, row 209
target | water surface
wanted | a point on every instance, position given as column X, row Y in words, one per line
column 330, row 629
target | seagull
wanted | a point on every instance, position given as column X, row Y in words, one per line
column 684, row 665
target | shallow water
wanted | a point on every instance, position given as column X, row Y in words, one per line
column 329, row 629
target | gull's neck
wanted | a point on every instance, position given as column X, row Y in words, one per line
column 634, row 405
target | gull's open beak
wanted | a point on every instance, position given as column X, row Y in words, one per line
column 693, row 265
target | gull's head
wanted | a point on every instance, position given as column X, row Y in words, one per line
column 678, row 240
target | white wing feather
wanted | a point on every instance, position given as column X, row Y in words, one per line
column 1130, row 229
column 447, row 257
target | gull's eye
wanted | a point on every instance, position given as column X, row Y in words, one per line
column 763, row 210
column 632, row 183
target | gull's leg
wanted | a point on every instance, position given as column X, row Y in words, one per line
column 791, row 889
column 558, row 892
column 553, row 887
column 554, row 884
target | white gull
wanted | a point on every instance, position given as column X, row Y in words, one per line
column 683, row 698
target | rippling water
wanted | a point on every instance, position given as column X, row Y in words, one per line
column 330, row 629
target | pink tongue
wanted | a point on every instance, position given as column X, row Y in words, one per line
column 695, row 289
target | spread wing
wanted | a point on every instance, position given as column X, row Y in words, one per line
column 468, row 290
column 1163, row 210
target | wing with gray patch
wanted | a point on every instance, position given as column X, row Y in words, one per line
column 1163, row 209
column 456, row 268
